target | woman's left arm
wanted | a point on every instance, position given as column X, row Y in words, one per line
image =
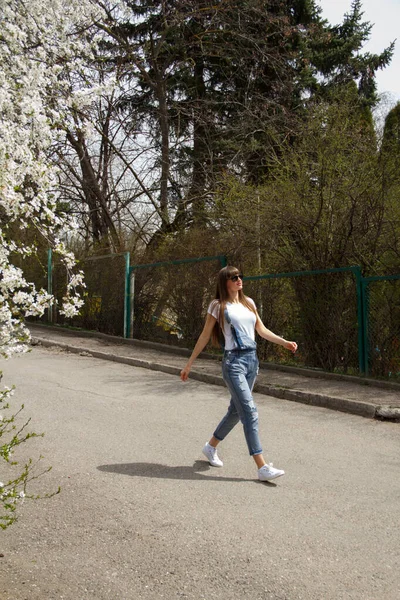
column 272, row 337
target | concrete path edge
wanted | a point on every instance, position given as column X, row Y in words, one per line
column 362, row 409
column 304, row 371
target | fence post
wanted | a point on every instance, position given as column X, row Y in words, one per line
column 50, row 283
column 132, row 299
column 127, row 300
column 360, row 319
column 365, row 302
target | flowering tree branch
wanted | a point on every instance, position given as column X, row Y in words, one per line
column 41, row 45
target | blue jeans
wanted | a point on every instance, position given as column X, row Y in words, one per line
column 239, row 370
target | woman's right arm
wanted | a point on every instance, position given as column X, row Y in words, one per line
column 201, row 343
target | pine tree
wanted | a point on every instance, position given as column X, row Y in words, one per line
column 335, row 53
column 220, row 87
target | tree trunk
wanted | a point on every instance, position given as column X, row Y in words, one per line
column 100, row 217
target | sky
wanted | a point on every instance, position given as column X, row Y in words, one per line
column 385, row 16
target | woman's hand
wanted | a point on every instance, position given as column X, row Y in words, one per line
column 200, row 345
column 292, row 346
column 272, row 337
column 185, row 373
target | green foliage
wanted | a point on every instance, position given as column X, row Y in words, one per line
column 324, row 205
column 391, row 138
column 13, row 434
column 390, row 166
column 384, row 328
column 326, row 195
column 316, row 310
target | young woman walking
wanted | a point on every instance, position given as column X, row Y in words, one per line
column 235, row 315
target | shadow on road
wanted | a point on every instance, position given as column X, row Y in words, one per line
column 197, row 472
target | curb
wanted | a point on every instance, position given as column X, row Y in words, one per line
column 388, row 412
column 177, row 350
column 363, row 409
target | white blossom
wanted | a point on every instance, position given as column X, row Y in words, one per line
column 40, row 48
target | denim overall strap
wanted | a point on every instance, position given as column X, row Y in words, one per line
column 234, row 332
column 243, row 341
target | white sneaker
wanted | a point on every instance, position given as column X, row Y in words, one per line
column 211, row 454
column 268, row 472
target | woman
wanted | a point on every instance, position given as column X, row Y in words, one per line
column 235, row 315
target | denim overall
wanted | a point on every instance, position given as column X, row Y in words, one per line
column 239, row 370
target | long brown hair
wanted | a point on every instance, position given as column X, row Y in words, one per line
column 221, row 299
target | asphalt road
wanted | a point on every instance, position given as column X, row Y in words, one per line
column 141, row 515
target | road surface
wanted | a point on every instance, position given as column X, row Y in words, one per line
column 141, row 515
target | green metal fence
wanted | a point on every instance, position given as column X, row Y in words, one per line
column 321, row 310
column 381, row 308
column 170, row 298
column 107, row 294
column 341, row 320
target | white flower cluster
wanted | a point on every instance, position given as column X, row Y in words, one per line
column 11, row 495
column 41, row 45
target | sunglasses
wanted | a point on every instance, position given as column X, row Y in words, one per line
column 236, row 277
